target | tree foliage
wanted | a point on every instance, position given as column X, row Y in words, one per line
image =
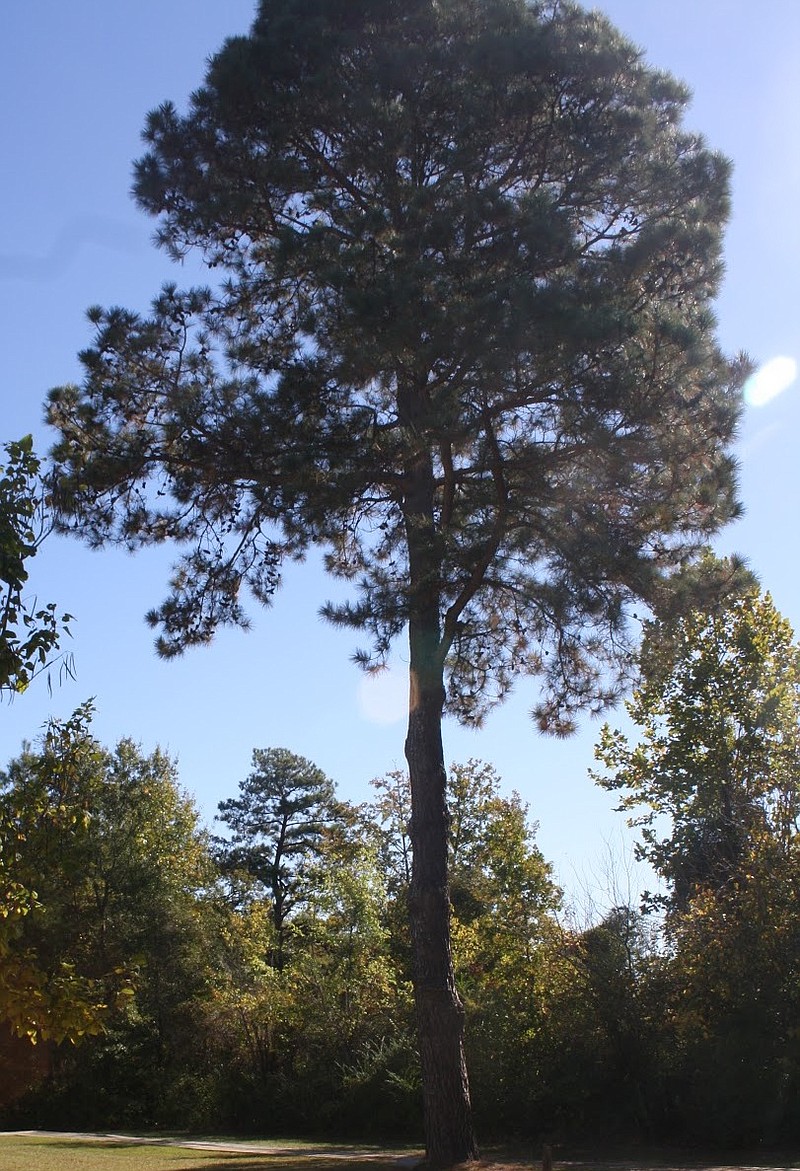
column 43, row 819
column 714, row 782
column 107, row 852
column 574, row 1032
column 29, row 634
column 503, row 904
column 719, row 755
column 495, row 867
column 470, row 236
column 313, row 1015
column 504, row 901
column 277, row 825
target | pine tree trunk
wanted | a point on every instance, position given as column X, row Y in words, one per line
column 440, row 1015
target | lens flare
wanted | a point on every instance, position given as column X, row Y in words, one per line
column 769, row 381
column 383, row 697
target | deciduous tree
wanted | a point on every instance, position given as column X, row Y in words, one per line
column 718, row 762
column 43, row 821
column 713, row 784
column 464, row 345
column 29, row 634
column 107, row 851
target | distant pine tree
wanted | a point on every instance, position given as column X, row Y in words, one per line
column 277, row 823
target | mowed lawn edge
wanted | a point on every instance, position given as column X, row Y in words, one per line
column 35, row 1151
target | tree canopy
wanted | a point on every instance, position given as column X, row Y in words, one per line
column 713, row 785
column 718, row 762
column 277, row 823
column 464, row 344
column 102, row 850
column 474, row 232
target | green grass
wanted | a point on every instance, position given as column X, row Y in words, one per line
column 28, row 1153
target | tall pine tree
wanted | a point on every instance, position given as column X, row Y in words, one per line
column 464, row 345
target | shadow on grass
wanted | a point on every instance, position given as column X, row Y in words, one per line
column 226, row 1163
column 185, row 1160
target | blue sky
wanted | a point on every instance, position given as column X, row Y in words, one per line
column 76, row 81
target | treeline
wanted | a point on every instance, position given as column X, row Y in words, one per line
column 260, row 980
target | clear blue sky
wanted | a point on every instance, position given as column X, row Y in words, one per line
column 77, row 80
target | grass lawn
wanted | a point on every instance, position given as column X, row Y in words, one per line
column 59, row 1153
column 84, row 1153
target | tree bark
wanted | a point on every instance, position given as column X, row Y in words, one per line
column 449, row 1136
column 440, row 1016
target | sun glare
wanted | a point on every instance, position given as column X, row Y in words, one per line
column 769, row 381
